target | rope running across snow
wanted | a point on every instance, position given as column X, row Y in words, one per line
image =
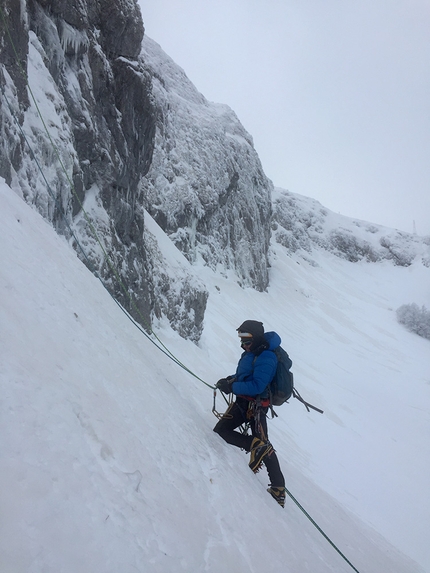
column 320, row 530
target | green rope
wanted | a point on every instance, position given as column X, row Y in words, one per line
column 107, row 258
column 320, row 530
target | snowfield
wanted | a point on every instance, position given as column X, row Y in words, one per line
column 108, row 459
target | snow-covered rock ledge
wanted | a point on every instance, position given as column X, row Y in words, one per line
column 303, row 224
column 206, row 187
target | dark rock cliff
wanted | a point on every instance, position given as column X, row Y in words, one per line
column 96, row 124
column 95, row 142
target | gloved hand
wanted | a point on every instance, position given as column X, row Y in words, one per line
column 224, row 385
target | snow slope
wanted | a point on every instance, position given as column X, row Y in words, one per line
column 108, row 459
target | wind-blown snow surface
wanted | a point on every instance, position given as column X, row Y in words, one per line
column 108, row 459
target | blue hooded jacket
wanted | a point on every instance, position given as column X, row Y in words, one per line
column 253, row 377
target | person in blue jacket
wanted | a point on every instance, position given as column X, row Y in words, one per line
column 250, row 384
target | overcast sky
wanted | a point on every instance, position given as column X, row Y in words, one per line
column 336, row 93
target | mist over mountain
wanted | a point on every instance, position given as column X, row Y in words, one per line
column 110, row 124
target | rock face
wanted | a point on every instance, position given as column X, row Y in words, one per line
column 95, row 142
column 103, row 133
column 105, row 128
column 77, row 64
column 303, row 225
column 206, row 187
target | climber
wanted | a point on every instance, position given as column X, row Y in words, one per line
column 255, row 371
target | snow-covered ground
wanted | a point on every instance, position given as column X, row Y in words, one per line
column 108, row 459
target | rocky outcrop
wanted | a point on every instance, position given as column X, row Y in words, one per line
column 106, row 128
column 206, row 187
column 301, row 224
column 12, row 61
column 103, row 133
column 83, row 137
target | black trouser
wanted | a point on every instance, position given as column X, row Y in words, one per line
column 237, row 414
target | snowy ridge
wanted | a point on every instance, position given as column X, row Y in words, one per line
column 206, row 187
column 109, row 462
column 302, row 224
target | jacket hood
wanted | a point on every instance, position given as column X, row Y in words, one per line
column 273, row 339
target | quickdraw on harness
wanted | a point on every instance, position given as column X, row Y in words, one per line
column 255, row 410
column 229, row 402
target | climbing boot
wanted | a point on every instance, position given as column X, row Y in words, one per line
column 259, row 450
column 277, row 493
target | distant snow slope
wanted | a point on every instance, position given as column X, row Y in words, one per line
column 302, row 224
column 108, row 459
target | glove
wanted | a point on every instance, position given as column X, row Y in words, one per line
column 224, row 385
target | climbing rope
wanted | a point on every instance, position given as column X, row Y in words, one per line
column 320, row 530
column 244, row 430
